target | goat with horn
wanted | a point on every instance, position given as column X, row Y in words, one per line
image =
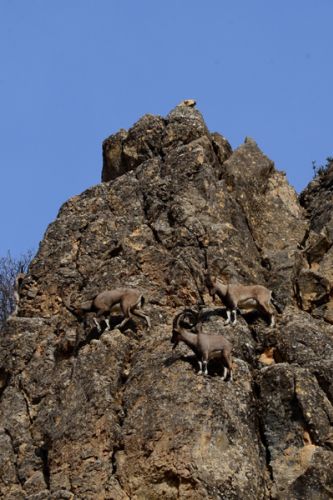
column 234, row 295
column 204, row 346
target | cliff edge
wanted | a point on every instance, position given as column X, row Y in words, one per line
column 118, row 414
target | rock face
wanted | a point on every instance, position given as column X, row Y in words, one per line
column 118, row 415
column 315, row 282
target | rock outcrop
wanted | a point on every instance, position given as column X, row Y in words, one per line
column 315, row 282
column 118, row 415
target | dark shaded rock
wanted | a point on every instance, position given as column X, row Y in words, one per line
column 317, row 246
column 144, row 141
column 113, row 164
column 124, row 151
column 317, row 199
column 312, row 289
column 316, row 482
column 221, row 147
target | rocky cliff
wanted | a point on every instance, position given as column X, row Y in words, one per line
column 118, row 414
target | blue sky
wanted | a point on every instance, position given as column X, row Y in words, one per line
column 74, row 71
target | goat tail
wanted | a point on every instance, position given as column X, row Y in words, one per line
column 142, row 300
column 275, row 303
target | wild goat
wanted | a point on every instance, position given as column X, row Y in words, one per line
column 17, row 288
column 204, row 346
column 243, row 296
column 130, row 300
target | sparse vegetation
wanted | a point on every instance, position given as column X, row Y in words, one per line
column 320, row 170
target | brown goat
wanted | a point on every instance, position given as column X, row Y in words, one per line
column 243, row 296
column 204, row 346
column 130, row 300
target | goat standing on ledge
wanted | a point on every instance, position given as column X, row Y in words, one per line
column 205, row 347
column 130, row 300
column 243, row 296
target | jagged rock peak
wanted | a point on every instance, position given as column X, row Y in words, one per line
column 152, row 137
column 116, row 414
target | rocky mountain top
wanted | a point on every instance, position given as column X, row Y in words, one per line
column 118, row 414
